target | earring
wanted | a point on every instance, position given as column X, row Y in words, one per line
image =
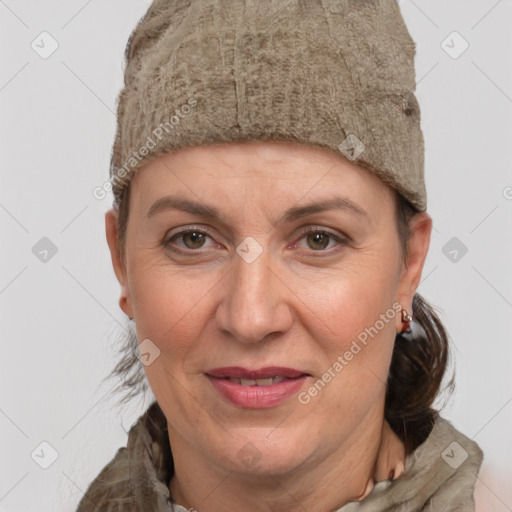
column 406, row 320
column 131, row 318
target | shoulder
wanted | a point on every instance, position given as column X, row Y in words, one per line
column 452, row 462
column 448, row 448
column 138, row 473
column 110, row 489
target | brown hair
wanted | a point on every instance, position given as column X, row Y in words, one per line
column 418, row 364
column 419, row 360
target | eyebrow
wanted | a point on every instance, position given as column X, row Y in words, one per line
column 294, row 213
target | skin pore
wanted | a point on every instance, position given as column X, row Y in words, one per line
column 300, row 304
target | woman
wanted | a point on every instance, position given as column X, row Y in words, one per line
column 269, row 232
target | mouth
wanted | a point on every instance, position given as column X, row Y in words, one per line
column 256, row 382
column 261, row 388
column 261, row 377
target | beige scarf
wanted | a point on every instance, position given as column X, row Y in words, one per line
column 439, row 475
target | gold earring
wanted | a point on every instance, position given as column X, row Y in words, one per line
column 406, row 320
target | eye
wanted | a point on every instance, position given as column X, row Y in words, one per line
column 192, row 239
column 318, row 239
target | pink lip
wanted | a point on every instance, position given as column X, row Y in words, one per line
column 256, row 397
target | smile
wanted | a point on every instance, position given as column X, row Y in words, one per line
column 256, row 389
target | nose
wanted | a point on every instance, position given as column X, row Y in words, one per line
column 256, row 301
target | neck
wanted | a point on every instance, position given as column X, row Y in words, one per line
column 370, row 454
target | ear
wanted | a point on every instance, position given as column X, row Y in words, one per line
column 117, row 261
column 421, row 229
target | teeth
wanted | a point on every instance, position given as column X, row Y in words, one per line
column 258, row 382
column 265, row 382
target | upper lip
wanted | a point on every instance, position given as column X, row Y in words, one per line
column 261, row 373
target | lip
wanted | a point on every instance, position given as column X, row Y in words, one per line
column 257, row 397
column 261, row 373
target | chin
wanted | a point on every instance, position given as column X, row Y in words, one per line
column 277, row 453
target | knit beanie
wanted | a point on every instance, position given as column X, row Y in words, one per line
column 336, row 74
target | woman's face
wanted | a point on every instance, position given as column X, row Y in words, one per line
column 228, row 283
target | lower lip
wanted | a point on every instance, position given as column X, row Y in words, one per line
column 257, row 397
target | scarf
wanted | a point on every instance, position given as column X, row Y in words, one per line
column 439, row 475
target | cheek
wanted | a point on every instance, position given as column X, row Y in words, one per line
column 356, row 354
column 355, row 329
column 362, row 331
column 171, row 307
column 350, row 300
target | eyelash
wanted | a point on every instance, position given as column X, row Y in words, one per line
column 167, row 243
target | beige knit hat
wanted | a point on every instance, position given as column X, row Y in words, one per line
column 337, row 74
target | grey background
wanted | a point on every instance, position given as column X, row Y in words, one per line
column 60, row 317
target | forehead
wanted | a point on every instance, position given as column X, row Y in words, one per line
column 237, row 171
